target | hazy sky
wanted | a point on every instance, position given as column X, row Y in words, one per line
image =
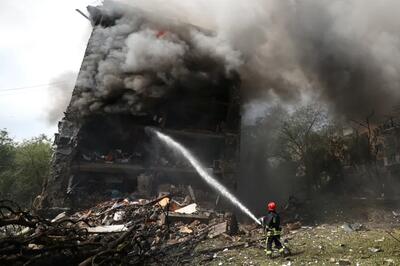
column 40, row 40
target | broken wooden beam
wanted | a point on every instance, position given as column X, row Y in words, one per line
column 187, row 218
column 218, row 229
column 167, row 195
column 117, row 228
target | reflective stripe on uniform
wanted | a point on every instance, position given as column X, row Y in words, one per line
column 273, row 232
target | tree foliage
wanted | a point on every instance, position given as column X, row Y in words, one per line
column 308, row 138
column 24, row 166
column 311, row 142
column 7, row 159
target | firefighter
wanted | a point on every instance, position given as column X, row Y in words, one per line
column 272, row 228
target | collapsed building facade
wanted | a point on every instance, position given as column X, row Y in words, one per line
column 142, row 71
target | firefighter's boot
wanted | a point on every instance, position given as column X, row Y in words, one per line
column 282, row 251
column 269, row 254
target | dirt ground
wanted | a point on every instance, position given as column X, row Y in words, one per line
column 318, row 245
column 323, row 239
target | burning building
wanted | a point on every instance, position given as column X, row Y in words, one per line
column 141, row 71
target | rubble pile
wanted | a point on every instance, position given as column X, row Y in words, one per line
column 115, row 232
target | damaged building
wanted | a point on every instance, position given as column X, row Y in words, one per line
column 389, row 132
column 141, row 71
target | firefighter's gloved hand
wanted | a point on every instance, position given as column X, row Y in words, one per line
column 261, row 219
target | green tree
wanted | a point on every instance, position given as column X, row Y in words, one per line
column 24, row 167
column 7, row 158
column 308, row 138
column 32, row 163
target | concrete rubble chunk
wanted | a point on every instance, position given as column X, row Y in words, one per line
column 374, row 249
column 347, row 228
column 344, row 262
column 389, row 262
column 35, row 247
column 185, row 230
column 119, row 216
column 352, row 227
column 189, row 209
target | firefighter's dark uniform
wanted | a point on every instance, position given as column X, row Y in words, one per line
column 272, row 228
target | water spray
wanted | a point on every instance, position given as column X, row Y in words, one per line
column 203, row 173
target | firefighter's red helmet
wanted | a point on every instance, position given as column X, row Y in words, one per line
column 271, row 206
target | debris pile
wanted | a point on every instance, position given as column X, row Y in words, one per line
column 114, row 232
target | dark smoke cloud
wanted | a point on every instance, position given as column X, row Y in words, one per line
column 60, row 95
column 343, row 52
column 346, row 53
column 140, row 57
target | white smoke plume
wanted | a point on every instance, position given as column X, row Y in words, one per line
column 60, row 95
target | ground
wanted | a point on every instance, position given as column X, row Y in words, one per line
column 323, row 239
column 317, row 245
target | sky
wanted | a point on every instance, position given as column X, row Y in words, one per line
column 40, row 41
